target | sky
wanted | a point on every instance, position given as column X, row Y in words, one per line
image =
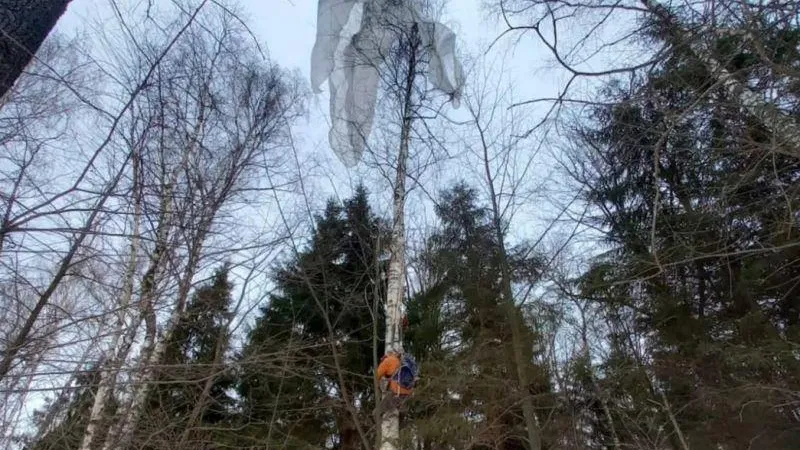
column 286, row 30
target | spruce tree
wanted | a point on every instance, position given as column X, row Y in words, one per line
column 460, row 332
column 330, row 295
column 182, row 401
column 700, row 287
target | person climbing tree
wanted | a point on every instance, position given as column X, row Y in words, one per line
column 397, row 374
column 401, row 371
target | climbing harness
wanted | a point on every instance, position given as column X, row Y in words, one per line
column 398, row 373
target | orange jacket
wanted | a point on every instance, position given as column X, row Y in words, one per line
column 389, row 365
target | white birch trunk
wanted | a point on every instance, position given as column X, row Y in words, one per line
column 121, row 432
column 108, row 378
column 396, row 276
column 144, row 376
column 146, row 314
column 390, row 417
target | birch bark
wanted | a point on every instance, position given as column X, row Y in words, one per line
column 122, row 432
column 109, row 377
column 390, row 419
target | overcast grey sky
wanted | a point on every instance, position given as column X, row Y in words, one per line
column 286, row 28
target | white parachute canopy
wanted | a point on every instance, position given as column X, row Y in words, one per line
column 352, row 36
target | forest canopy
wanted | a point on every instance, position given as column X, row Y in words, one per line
column 600, row 249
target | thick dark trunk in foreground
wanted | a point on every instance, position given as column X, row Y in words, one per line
column 24, row 25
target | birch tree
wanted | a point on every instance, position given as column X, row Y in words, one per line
column 85, row 199
column 225, row 113
column 396, row 37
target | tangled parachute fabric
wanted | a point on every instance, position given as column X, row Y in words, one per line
column 352, row 36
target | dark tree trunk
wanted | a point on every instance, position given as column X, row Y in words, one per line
column 24, row 24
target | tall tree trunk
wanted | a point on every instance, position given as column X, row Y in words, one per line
column 113, row 362
column 146, row 313
column 14, row 347
column 518, row 345
column 122, row 432
column 534, row 433
column 390, row 416
column 152, row 353
column 24, row 25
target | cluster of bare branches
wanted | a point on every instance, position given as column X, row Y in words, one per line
column 121, row 178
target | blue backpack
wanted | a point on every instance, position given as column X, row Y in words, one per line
column 408, row 373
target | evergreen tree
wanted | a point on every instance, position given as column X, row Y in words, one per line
column 192, row 384
column 700, row 289
column 66, row 418
column 319, row 334
column 460, row 331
